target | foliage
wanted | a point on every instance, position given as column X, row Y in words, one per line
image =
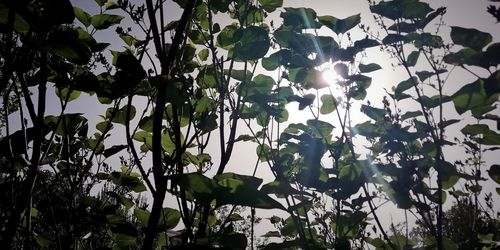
column 181, row 97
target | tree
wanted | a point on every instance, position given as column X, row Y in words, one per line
column 186, row 93
column 466, row 226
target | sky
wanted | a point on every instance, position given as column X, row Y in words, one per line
column 465, row 13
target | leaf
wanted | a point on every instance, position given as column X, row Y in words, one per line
column 169, row 218
column 366, row 129
column 393, row 38
column 421, row 40
column 142, row 216
column 200, row 186
column 113, row 150
column 104, row 21
column 82, row 16
column 401, row 9
column 250, row 181
column 411, row 114
column 340, row 26
column 65, row 96
column 45, row 239
column 234, row 240
column 306, row 101
column 320, row 128
column 365, row 68
column 20, row 25
column 302, row 18
column 413, row 58
column 253, row 44
column 424, row 75
column 342, row 70
column 281, row 57
column 271, row 234
column 471, row 38
column 227, row 37
column 203, row 54
column 328, row 104
column 67, row 44
column 280, row 188
column 121, row 114
column 365, row 44
column 494, row 173
column 119, row 224
column 271, row 5
column 469, row 97
column 374, row 113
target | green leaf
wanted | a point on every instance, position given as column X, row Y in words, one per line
column 203, row 54
column 142, row 216
column 421, row 40
column 119, row 225
column 366, row 129
column 240, row 75
column 365, row 68
column 82, row 16
column 471, row 38
column 424, row 75
column 253, row 44
column 200, row 186
column 305, row 101
column 403, row 86
column 271, row 5
column 65, row 96
column 67, row 44
column 393, row 38
column 101, row 2
column 20, row 24
column 401, row 9
column 282, row 57
column 227, row 37
column 271, row 234
column 45, row 239
column 374, row 113
column 340, row 26
column 413, row 58
column 448, row 174
column 411, row 114
column 104, row 21
column 250, row 181
column 494, row 173
column 279, row 188
column 263, row 152
column 169, row 218
column 328, row 104
column 320, row 128
column 469, row 97
column 301, row 18
column 120, row 115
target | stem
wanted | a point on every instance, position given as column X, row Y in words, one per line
column 24, row 198
column 158, row 171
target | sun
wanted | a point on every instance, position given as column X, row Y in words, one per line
column 328, row 74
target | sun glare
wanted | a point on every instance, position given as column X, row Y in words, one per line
column 328, row 73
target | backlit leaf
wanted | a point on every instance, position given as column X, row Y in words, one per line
column 104, row 21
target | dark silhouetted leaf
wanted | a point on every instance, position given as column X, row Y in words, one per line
column 365, row 68
column 340, row 26
column 271, row 5
column 253, row 44
column 471, row 38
